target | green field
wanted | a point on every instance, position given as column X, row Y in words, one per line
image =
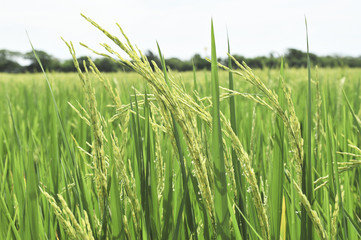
column 164, row 155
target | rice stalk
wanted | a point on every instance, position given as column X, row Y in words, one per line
column 75, row 229
column 334, row 219
column 99, row 158
column 183, row 107
column 310, row 212
column 114, row 94
column 123, row 177
column 241, row 155
column 342, row 167
column 84, row 118
column 164, row 96
column 270, row 99
column 249, row 176
column 160, row 166
column 319, row 131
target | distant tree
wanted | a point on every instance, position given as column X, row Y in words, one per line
column 352, row 61
column 10, row 66
column 297, row 58
column 8, row 63
column 200, row 63
column 272, row 61
column 328, row 61
column 106, row 65
column 67, row 66
column 103, row 64
column 49, row 62
column 179, row 65
column 9, row 54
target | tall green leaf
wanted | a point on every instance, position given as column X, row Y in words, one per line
column 220, row 194
column 277, row 169
column 236, row 164
column 306, row 232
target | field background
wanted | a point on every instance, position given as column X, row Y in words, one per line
column 35, row 156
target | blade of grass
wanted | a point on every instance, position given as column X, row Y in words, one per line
column 146, row 223
column 13, row 121
column 179, row 220
column 8, row 216
column 307, row 229
column 328, row 169
column 334, row 168
column 354, row 224
column 151, row 176
column 195, row 84
column 356, row 120
column 220, row 195
column 236, row 164
column 4, row 174
column 250, row 225
column 31, row 196
column 277, row 171
column 283, row 223
column 235, row 225
column 115, row 206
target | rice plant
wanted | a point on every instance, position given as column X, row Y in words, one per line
column 155, row 154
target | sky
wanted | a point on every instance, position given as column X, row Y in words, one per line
column 182, row 28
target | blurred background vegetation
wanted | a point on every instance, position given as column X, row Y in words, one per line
column 17, row 62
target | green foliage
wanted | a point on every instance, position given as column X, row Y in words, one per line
column 220, row 195
column 49, row 149
column 154, row 155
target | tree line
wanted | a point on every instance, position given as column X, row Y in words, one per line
column 9, row 62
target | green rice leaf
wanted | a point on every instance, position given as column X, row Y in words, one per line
column 220, row 195
column 307, row 229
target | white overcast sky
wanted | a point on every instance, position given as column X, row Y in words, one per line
column 182, row 28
